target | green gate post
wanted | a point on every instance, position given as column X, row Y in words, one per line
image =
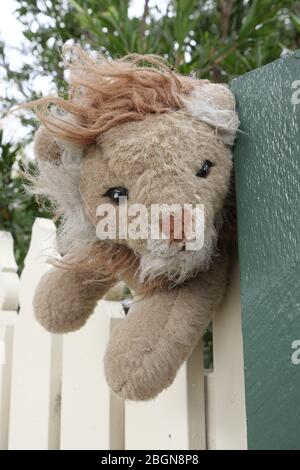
column 267, row 162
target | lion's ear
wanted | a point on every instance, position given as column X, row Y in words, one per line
column 46, row 147
column 215, row 105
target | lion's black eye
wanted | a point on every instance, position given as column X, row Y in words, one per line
column 115, row 193
column 203, row 172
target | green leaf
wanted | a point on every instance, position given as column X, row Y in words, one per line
column 296, row 21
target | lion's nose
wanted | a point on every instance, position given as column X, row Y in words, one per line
column 177, row 225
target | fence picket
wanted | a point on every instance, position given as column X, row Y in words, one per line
column 116, row 404
column 210, row 410
column 9, row 299
column 85, row 414
column 179, row 410
column 9, row 280
column 196, row 399
column 229, row 388
column 30, row 417
column 162, row 423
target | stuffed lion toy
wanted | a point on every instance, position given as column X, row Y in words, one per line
column 132, row 128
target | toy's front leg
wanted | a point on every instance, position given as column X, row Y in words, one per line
column 64, row 300
column 147, row 348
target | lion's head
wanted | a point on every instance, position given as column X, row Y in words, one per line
column 133, row 128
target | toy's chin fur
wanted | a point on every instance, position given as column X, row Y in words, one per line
column 181, row 265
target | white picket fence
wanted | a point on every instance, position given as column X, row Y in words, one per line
column 53, row 393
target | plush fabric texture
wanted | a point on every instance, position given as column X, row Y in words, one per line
column 160, row 331
column 65, row 298
column 134, row 123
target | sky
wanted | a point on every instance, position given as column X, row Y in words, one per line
column 8, row 24
column 11, row 34
column 11, row 29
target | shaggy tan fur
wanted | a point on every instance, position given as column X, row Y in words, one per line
column 134, row 123
column 105, row 93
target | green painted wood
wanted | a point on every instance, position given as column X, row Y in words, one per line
column 267, row 162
